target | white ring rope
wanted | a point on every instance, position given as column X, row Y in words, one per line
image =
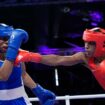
column 67, row 98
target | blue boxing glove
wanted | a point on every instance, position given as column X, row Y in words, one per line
column 46, row 97
column 17, row 37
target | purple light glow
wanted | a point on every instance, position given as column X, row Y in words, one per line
column 58, row 51
column 75, row 47
column 94, row 24
column 46, row 50
column 73, row 35
column 96, row 16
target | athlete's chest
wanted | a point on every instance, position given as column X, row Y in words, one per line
column 16, row 72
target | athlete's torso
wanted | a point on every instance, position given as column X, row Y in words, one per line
column 12, row 91
column 14, row 80
column 98, row 71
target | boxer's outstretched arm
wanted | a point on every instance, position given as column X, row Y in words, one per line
column 56, row 60
column 52, row 60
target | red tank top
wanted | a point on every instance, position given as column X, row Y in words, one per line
column 98, row 71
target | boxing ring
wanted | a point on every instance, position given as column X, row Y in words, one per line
column 67, row 98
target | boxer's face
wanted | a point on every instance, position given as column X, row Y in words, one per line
column 90, row 48
column 3, row 45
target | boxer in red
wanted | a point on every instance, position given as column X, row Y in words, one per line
column 93, row 57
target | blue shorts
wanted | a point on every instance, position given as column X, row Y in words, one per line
column 19, row 101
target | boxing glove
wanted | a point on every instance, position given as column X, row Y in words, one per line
column 17, row 37
column 45, row 96
column 26, row 56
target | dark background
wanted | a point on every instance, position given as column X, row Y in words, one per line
column 55, row 23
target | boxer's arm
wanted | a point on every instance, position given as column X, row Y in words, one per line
column 56, row 60
column 52, row 60
column 28, row 81
column 45, row 96
column 5, row 70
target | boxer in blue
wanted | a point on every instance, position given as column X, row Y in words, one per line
column 14, row 77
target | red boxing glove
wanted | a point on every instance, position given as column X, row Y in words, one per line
column 26, row 56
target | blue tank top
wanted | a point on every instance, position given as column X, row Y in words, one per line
column 14, row 80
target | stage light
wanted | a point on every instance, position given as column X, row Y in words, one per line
column 96, row 17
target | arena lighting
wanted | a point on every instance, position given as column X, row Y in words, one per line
column 96, row 17
column 73, row 35
column 75, row 48
column 44, row 49
column 61, row 51
column 93, row 16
